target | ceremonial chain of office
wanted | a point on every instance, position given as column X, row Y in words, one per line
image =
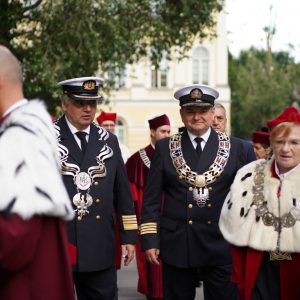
column 199, row 182
column 82, row 180
column 269, row 219
column 262, row 210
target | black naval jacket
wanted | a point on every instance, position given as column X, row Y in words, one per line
column 188, row 236
column 94, row 234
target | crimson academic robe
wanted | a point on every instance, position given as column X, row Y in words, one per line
column 34, row 259
column 149, row 282
column 246, row 263
column 247, row 260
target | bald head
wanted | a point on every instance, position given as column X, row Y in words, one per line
column 10, row 70
column 11, row 85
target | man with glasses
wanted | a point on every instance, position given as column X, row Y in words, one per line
column 96, row 180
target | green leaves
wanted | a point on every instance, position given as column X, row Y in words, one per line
column 262, row 84
column 56, row 40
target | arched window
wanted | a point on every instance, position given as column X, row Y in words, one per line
column 200, row 61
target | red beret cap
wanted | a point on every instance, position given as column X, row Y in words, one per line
column 261, row 137
column 290, row 114
column 158, row 121
column 104, row 116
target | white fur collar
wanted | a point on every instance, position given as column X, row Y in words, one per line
column 238, row 220
column 31, row 182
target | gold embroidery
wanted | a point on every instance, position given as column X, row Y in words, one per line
column 150, row 227
column 129, row 222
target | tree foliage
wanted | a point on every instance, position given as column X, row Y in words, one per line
column 60, row 39
column 262, row 84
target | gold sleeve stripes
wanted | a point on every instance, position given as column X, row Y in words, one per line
column 129, row 222
column 150, row 227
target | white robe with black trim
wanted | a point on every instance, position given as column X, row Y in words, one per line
column 30, row 178
column 238, row 222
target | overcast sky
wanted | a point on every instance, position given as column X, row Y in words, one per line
column 246, row 18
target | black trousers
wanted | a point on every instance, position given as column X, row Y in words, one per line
column 100, row 285
column 267, row 285
column 180, row 284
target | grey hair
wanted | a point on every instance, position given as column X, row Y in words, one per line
column 219, row 105
column 65, row 98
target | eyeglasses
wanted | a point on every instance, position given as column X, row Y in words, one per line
column 293, row 144
column 81, row 103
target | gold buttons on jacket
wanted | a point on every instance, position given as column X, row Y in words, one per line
column 190, row 205
column 98, row 217
column 209, row 222
column 97, row 200
column 79, row 218
column 190, row 222
column 96, row 183
column 190, row 189
column 209, row 205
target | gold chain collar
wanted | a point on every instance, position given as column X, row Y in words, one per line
column 199, row 182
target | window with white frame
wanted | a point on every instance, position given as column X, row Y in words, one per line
column 200, row 65
column 159, row 75
column 120, row 131
column 118, row 77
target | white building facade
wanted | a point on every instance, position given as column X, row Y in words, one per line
column 147, row 92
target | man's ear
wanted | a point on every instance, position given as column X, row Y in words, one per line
column 152, row 131
column 63, row 106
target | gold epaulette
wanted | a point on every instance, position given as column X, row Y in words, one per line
column 129, row 222
column 150, row 227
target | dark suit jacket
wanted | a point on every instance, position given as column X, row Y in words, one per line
column 248, row 148
column 183, row 244
column 94, row 235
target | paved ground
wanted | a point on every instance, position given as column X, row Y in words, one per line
column 127, row 282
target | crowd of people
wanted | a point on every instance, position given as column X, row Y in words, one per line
column 195, row 205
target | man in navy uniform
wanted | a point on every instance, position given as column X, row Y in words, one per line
column 96, row 180
column 194, row 170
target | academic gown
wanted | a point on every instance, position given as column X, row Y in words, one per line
column 149, row 282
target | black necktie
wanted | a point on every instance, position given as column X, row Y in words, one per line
column 198, row 140
column 81, row 135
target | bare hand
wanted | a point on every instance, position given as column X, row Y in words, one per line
column 128, row 251
column 152, row 256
